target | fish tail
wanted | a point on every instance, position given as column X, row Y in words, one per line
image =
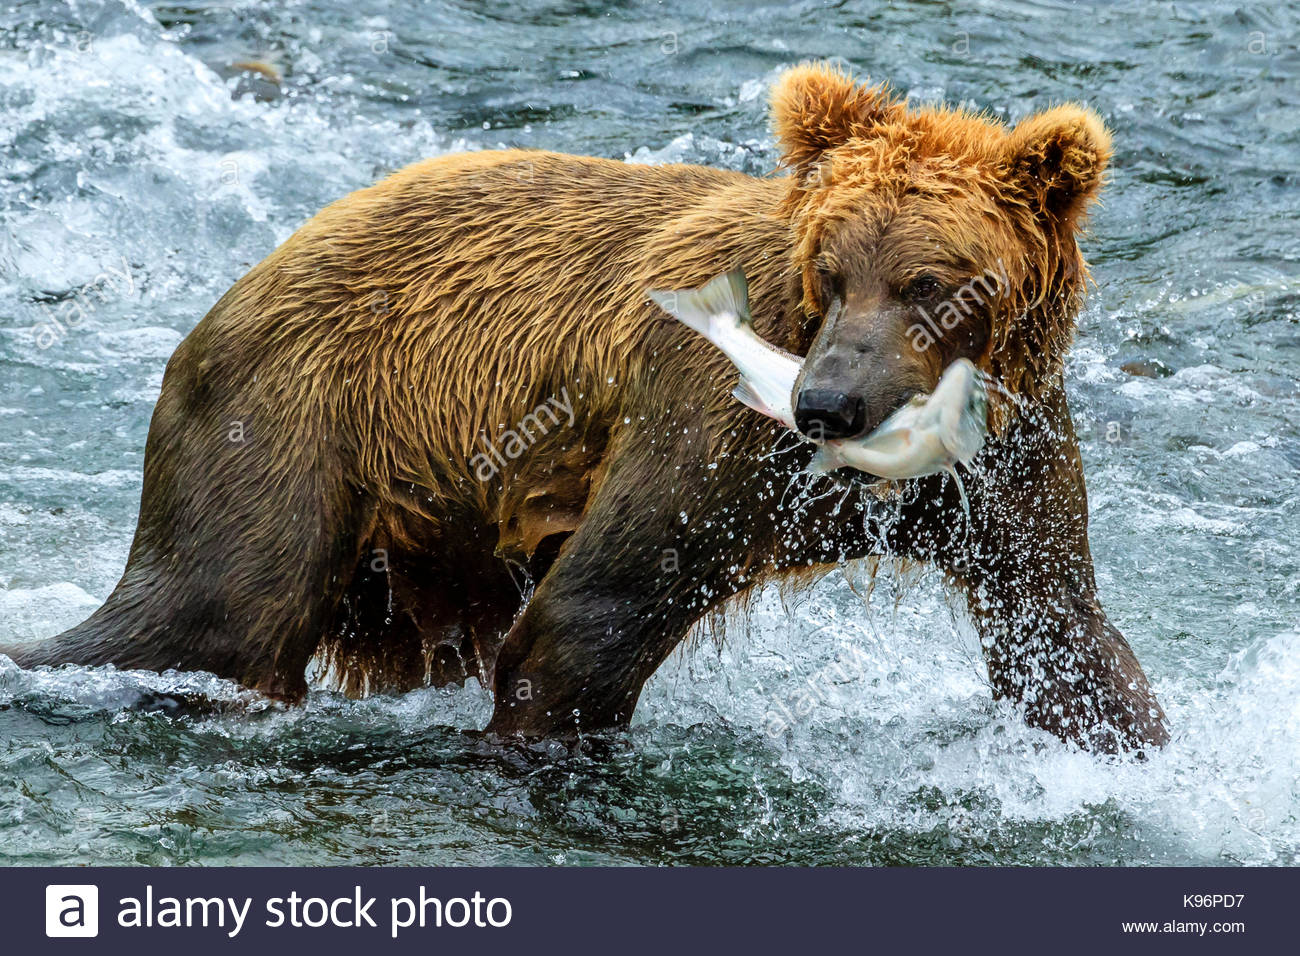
column 728, row 294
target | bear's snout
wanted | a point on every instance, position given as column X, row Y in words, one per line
column 826, row 414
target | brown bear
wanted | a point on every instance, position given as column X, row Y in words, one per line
column 441, row 432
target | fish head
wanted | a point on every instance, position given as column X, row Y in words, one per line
column 960, row 407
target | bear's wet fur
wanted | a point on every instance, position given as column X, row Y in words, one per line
column 310, row 479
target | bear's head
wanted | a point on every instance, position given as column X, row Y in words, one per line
column 925, row 235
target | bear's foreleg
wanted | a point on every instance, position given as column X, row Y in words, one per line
column 1028, row 576
column 663, row 541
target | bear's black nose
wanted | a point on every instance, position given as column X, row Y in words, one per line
column 821, row 414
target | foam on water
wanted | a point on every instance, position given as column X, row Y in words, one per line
column 883, row 714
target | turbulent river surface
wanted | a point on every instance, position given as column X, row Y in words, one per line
column 143, row 173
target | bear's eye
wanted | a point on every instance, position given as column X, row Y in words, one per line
column 922, row 287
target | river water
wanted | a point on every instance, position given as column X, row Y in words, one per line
column 143, row 170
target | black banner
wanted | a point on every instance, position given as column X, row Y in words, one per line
column 629, row 911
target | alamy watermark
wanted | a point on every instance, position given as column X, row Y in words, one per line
column 73, row 311
column 513, row 442
column 803, row 701
column 960, row 305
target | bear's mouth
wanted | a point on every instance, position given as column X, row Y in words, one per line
column 852, row 478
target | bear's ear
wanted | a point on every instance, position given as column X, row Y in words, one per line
column 1057, row 159
column 816, row 107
